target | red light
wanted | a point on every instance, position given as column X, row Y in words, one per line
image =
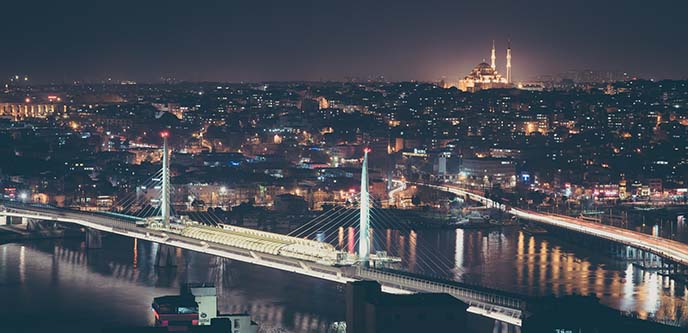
column 352, row 190
column 164, row 134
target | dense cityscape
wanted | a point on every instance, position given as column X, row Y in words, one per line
column 579, row 146
column 343, row 168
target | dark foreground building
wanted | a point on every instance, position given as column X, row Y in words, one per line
column 193, row 310
column 369, row 310
column 584, row 314
column 217, row 325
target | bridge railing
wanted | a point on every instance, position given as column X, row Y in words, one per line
column 471, row 296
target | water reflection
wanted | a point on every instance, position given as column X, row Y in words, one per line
column 115, row 286
column 62, row 278
column 510, row 260
column 458, row 254
column 136, row 252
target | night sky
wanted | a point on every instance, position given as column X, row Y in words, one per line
column 63, row 41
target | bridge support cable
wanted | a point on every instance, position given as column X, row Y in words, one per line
column 211, row 219
column 147, row 211
column 426, row 261
column 314, row 221
column 216, row 220
column 208, row 220
column 127, row 201
column 173, row 189
column 347, row 233
column 144, row 208
column 431, row 263
column 345, row 219
column 307, row 227
column 385, row 218
column 349, row 222
column 153, row 211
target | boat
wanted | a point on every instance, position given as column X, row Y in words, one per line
column 531, row 229
column 474, row 221
column 505, row 222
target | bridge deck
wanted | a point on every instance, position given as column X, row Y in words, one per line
column 507, row 307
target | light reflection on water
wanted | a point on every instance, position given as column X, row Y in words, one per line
column 510, row 260
column 61, row 278
column 80, row 291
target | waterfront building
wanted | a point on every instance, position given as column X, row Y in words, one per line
column 23, row 111
column 487, row 172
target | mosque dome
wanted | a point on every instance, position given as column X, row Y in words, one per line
column 486, row 76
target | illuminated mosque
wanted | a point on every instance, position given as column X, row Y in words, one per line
column 485, row 76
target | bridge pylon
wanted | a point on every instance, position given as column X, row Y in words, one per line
column 165, row 201
column 364, row 228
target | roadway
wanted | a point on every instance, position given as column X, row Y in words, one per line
column 666, row 248
column 400, row 187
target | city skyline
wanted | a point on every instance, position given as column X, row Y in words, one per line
column 344, row 166
column 274, row 41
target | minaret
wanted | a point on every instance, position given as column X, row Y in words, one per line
column 165, row 204
column 364, row 232
column 493, row 58
column 508, row 63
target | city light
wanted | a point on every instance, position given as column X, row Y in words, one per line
column 544, row 186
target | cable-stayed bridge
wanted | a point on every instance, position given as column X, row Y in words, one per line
column 305, row 250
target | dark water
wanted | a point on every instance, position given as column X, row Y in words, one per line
column 508, row 259
column 59, row 284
